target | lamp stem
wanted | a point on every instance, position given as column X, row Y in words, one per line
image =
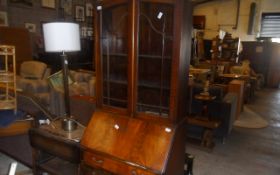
column 65, row 85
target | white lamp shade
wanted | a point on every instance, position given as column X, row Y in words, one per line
column 61, row 36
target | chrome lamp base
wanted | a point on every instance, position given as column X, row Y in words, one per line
column 69, row 124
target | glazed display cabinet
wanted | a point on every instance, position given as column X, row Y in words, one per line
column 142, row 52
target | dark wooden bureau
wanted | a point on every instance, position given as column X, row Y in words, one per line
column 126, row 145
column 142, row 56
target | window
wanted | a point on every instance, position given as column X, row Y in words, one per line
column 270, row 27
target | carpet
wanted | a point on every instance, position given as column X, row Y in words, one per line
column 250, row 119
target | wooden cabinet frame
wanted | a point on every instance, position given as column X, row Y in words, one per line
column 180, row 58
column 132, row 137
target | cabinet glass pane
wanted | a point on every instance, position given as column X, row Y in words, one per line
column 155, row 58
column 114, row 36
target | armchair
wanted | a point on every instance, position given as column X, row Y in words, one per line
column 84, row 85
column 32, row 79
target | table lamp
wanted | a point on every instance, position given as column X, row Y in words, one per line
column 63, row 37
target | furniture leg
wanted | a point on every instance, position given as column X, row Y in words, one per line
column 207, row 138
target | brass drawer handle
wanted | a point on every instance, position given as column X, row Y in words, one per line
column 97, row 160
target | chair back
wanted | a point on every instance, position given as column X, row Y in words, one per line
column 33, row 69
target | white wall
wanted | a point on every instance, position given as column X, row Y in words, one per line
column 221, row 14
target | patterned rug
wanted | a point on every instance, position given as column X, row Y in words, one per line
column 250, row 119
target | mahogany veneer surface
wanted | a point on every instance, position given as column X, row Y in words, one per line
column 133, row 141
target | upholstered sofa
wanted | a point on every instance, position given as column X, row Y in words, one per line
column 222, row 108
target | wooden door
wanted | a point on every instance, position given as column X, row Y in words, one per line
column 112, row 55
column 142, row 57
column 163, row 59
column 154, row 58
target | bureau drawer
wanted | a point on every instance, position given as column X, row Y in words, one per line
column 113, row 166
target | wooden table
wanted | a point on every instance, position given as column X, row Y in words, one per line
column 62, row 145
column 205, row 121
column 205, row 99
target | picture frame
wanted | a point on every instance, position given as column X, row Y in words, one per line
column 3, row 18
column 67, row 6
column 90, row 32
column 30, row 27
column 79, row 13
column 48, row 4
column 89, row 9
column 56, row 80
column 83, row 32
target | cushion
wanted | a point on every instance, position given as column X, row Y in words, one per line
column 32, row 69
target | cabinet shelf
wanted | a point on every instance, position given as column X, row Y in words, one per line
column 9, row 53
column 142, row 56
column 152, row 85
column 8, row 94
column 155, row 57
column 116, row 54
column 117, row 81
column 140, row 84
column 6, row 77
column 117, row 37
column 115, row 99
column 7, row 102
column 152, row 106
column 153, row 109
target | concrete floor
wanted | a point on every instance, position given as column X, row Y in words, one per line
column 5, row 163
column 246, row 151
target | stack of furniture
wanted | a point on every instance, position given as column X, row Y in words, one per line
column 230, row 48
column 142, row 56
